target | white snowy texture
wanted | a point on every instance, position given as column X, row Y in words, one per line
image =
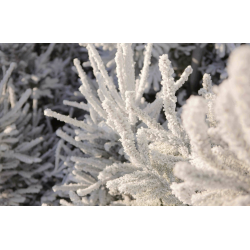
column 152, row 83
column 117, row 146
column 127, row 156
column 218, row 170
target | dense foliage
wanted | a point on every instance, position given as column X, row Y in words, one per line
column 128, row 136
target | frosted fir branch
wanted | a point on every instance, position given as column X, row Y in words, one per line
column 169, row 99
column 124, row 129
column 94, row 115
column 93, row 63
column 30, row 189
column 143, row 148
column 85, row 177
column 12, row 96
column 85, row 148
column 57, row 154
column 195, row 109
column 208, row 94
column 94, row 103
column 93, row 171
column 27, row 146
column 148, row 189
column 129, row 71
column 212, row 179
column 83, row 192
column 109, row 115
column 184, row 77
column 218, row 173
column 76, row 105
column 239, row 74
column 75, row 199
column 173, row 144
column 101, row 134
column 230, row 126
column 21, row 157
column 117, row 170
column 129, row 74
column 114, row 123
column 69, row 139
column 104, row 73
column 70, row 187
column 98, row 163
column 102, row 87
column 6, row 77
column 86, row 91
column 63, row 203
column 184, row 191
column 80, row 124
column 120, row 71
column 229, row 160
column 82, row 75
